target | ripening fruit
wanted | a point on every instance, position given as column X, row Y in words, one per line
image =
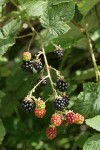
column 40, row 104
column 27, row 56
column 56, row 120
column 71, row 117
column 39, row 113
column 51, row 133
column 79, row 119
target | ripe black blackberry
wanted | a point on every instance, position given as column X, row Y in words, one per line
column 38, row 65
column 59, row 52
column 61, row 84
column 66, row 99
column 28, row 105
column 43, row 83
column 60, row 103
column 27, row 66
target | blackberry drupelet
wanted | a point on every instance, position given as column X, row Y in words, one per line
column 60, row 103
column 27, row 66
column 38, row 65
column 43, row 83
column 59, row 52
column 61, row 84
column 66, row 99
column 28, row 105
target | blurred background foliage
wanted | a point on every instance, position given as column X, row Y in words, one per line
column 25, row 131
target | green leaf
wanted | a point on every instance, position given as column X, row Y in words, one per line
column 2, row 131
column 2, row 2
column 93, row 143
column 2, row 94
column 55, row 2
column 88, row 102
column 65, row 11
column 94, row 122
column 51, row 20
column 85, row 5
column 82, row 139
column 8, row 108
column 33, row 8
column 7, row 34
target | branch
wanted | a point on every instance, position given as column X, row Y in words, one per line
column 33, row 90
column 97, row 72
column 48, row 71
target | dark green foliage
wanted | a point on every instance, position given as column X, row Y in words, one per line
column 60, row 22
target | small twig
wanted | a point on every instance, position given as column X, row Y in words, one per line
column 57, row 71
column 97, row 72
column 30, row 43
column 78, row 26
column 33, row 90
column 48, row 71
column 39, row 54
column 22, row 36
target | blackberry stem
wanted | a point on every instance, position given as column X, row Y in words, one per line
column 33, row 90
column 48, row 71
column 57, row 71
column 22, row 36
column 97, row 72
column 30, row 43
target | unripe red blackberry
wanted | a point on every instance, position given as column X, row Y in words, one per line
column 27, row 66
column 61, row 84
column 56, row 120
column 79, row 119
column 59, row 52
column 71, row 117
column 28, row 104
column 39, row 113
column 27, row 56
column 38, row 65
column 51, row 133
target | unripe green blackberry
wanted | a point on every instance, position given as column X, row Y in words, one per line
column 40, row 104
column 27, row 56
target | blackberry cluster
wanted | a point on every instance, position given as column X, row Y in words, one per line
column 27, row 66
column 28, row 105
column 61, row 84
column 38, row 65
column 59, row 53
column 43, row 83
column 61, row 102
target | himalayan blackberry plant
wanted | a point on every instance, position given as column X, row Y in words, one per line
column 50, row 67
